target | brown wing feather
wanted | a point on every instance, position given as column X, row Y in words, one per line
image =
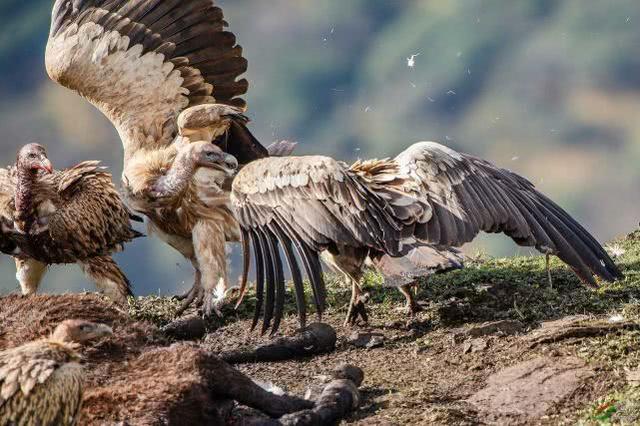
column 142, row 62
column 469, row 195
column 39, row 384
column 314, row 203
column 91, row 218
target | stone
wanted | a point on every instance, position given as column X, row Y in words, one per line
column 529, row 389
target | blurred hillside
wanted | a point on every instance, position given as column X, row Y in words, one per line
column 550, row 89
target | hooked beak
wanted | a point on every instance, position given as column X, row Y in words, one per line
column 230, row 165
column 45, row 165
column 103, row 330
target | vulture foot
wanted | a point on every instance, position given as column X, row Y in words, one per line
column 413, row 308
column 211, row 304
column 358, row 310
column 193, row 296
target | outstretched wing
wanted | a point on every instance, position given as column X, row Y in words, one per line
column 92, row 218
column 142, row 62
column 35, row 388
column 468, row 195
column 314, row 203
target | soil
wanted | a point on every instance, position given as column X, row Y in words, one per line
column 494, row 344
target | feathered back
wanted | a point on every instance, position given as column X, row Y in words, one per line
column 40, row 383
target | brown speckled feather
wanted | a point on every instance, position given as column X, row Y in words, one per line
column 40, row 384
column 86, row 215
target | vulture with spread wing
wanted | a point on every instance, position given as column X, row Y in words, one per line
column 74, row 215
column 41, row 381
column 165, row 72
column 429, row 193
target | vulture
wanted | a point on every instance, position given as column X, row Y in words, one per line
column 166, row 74
column 427, row 195
column 74, row 215
column 41, row 381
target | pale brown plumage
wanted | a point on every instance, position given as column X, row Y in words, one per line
column 74, row 215
column 165, row 73
column 41, row 381
column 429, row 193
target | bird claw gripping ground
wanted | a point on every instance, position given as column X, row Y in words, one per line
column 200, row 298
column 195, row 295
column 358, row 310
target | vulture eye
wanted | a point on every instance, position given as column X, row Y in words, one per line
column 211, row 155
column 32, row 155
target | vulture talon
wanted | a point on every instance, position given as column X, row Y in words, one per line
column 194, row 297
column 211, row 305
column 357, row 310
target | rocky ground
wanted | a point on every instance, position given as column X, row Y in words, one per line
column 496, row 343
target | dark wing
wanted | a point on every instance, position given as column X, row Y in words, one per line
column 314, row 203
column 8, row 243
column 36, row 389
column 92, row 218
column 142, row 62
column 7, row 193
column 468, row 195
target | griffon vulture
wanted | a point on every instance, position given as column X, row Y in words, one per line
column 165, row 72
column 429, row 193
column 41, row 381
column 74, row 215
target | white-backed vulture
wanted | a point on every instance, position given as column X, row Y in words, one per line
column 74, row 215
column 429, row 192
column 165, row 72
column 41, row 381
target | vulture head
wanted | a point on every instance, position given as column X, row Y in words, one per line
column 80, row 331
column 33, row 158
column 202, row 160
column 208, row 155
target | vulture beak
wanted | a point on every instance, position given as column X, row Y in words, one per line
column 103, row 330
column 45, row 165
column 230, row 164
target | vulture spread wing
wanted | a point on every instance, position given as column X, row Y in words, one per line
column 38, row 386
column 313, row 203
column 142, row 62
column 430, row 192
column 468, row 195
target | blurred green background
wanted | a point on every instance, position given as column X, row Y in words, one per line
column 549, row 89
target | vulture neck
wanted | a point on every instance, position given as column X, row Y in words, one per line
column 24, row 195
column 177, row 178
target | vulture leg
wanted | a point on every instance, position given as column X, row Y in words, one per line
column 194, row 294
column 209, row 244
column 29, row 273
column 349, row 261
column 108, row 277
column 548, row 270
column 412, row 306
